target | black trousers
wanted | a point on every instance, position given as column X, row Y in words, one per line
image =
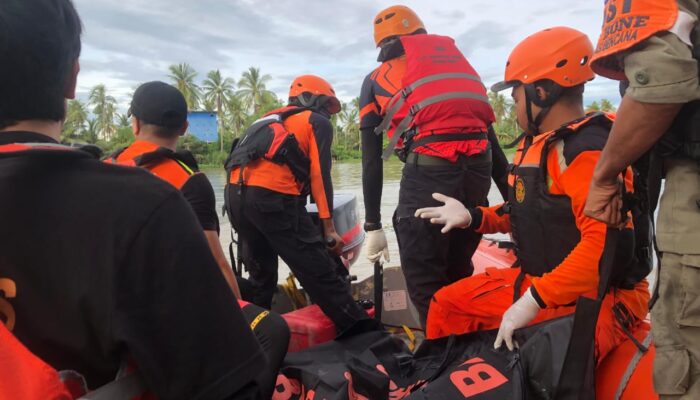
column 272, row 333
column 431, row 260
column 274, row 224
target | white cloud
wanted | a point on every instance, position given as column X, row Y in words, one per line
column 132, row 41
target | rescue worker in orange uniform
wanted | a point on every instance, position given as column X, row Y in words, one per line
column 435, row 111
column 558, row 247
column 159, row 119
column 653, row 47
column 159, row 114
column 267, row 207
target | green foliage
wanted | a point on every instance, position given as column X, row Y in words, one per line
column 252, row 89
column 605, row 105
column 506, row 125
column 104, row 108
column 183, row 76
column 237, row 109
column 76, row 120
column 346, row 124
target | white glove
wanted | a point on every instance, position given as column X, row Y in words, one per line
column 453, row 214
column 517, row 316
column 377, row 246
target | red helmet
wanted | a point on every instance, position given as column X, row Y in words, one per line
column 317, row 87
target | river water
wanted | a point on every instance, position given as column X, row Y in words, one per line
column 347, row 178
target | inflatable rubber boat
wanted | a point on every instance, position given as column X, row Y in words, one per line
column 626, row 373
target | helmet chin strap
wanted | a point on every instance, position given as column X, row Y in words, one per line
column 308, row 103
column 531, row 97
column 314, row 102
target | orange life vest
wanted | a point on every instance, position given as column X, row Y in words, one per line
column 173, row 167
column 627, row 23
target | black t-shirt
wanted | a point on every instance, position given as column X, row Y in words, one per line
column 109, row 262
column 200, row 194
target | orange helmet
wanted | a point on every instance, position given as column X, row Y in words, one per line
column 317, row 88
column 559, row 54
column 395, row 21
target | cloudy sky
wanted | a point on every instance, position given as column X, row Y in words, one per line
column 127, row 42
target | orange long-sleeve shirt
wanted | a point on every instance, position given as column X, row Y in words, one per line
column 314, row 133
column 578, row 273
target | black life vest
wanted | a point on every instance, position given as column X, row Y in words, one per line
column 269, row 139
column 543, row 224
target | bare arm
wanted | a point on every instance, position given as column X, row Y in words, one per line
column 218, row 252
column 637, row 127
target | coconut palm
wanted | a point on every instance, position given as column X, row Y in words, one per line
column 123, row 121
column 350, row 118
column 183, row 76
column 595, row 106
column 236, row 115
column 252, row 88
column 104, row 109
column 76, row 119
column 209, row 105
column 499, row 105
column 92, row 132
column 607, row 106
column 218, row 91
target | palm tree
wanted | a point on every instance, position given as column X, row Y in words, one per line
column 208, row 105
column 593, row 107
column 183, row 76
column 350, row 117
column 236, row 115
column 252, row 88
column 104, row 108
column 123, row 121
column 92, row 132
column 499, row 105
column 607, row 106
column 76, row 119
column 218, row 91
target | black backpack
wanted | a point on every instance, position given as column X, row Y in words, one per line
column 268, row 138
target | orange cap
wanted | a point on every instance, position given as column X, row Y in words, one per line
column 560, row 54
column 317, row 86
column 396, row 21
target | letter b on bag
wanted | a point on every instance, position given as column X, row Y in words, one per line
column 477, row 378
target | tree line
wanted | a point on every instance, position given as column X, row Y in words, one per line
column 238, row 103
column 506, row 121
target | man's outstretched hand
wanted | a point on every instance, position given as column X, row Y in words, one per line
column 452, row 214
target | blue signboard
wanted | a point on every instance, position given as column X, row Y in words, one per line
column 203, row 125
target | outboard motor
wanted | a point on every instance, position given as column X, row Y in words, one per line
column 347, row 224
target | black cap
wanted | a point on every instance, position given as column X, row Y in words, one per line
column 160, row 104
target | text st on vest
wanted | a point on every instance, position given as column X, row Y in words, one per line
column 620, row 27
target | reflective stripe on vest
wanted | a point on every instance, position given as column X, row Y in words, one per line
column 437, row 75
column 627, row 23
column 400, row 98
